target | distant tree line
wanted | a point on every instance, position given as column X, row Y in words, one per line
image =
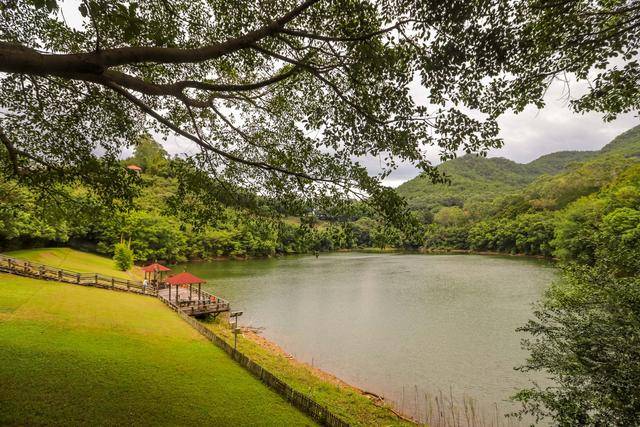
column 154, row 230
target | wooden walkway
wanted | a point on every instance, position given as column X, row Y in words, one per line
column 40, row 271
column 193, row 301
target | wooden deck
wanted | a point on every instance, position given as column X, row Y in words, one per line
column 192, row 303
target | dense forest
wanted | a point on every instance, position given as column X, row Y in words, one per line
column 161, row 223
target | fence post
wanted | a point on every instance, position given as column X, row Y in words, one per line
column 78, row 278
column 60, row 275
column 96, row 280
column 113, row 285
column 9, row 263
column 127, row 284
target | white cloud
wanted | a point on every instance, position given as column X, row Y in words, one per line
column 534, row 133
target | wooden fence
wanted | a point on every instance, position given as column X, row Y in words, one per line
column 306, row 404
column 41, row 271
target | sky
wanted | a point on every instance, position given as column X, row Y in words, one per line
column 536, row 132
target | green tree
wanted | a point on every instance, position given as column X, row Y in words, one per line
column 585, row 338
column 450, row 216
column 576, row 233
column 151, row 236
column 123, row 256
column 151, row 156
column 620, row 239
column 283, row 98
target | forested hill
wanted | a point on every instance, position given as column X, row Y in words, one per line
column 477, row 179
column 562, row 205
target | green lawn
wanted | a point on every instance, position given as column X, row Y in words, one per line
column 70, row 259
column 74, row 355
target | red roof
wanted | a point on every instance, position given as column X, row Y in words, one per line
column 184, row 279
column 155, row 267
column 134, row 167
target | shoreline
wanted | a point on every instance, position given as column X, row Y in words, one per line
column 421, row 251
column 378, row 400
column 356, row 405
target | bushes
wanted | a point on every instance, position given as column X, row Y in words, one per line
column 585, row 337
column 123, row 256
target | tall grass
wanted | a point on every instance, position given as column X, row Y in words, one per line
column 442, row 409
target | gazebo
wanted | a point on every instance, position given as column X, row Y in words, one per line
column 182, row 280
column 155, row 269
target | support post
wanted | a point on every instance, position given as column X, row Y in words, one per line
column 199, row 294
column 169, row 292
column 190, row 291
column 177, row 294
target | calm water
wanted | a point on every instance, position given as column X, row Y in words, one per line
column 422, row 323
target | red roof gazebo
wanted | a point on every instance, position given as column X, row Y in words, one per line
column 182, row 280
column 185, row 278
column 154, row 268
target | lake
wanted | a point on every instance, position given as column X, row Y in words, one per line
column 399, row 325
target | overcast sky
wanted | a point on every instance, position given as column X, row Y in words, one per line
column 526, row 136
column 534, row 132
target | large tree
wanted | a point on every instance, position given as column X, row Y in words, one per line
column 284, row 96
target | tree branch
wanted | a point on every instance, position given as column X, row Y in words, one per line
column 360, row 38
column 261, row 165
column 21, row 59
column 13, row 154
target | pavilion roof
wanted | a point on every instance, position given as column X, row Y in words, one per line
column 134, row 167
column 184, row 278
column 155, row 267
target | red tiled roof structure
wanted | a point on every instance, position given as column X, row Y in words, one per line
column 184, row 279
column 134, row 168
column 155, row 267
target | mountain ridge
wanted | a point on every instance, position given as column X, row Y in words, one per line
column 478, row 179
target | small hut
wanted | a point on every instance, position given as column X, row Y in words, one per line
column 182, row 280
column 154, row 273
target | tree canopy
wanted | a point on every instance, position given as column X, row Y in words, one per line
column 283, row 97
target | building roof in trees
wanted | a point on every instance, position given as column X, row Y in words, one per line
column 155, row 267
column 134, row 168
column 184, row 279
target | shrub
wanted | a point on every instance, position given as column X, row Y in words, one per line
column 123, row 256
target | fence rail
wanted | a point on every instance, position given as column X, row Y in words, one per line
column 301, row 401
column 41, row 271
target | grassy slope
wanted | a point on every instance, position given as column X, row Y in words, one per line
column 342, row 399
column 77, row 355
column 73, row 260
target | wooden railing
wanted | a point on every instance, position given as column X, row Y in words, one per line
column 41, row 271
column 205, row 303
